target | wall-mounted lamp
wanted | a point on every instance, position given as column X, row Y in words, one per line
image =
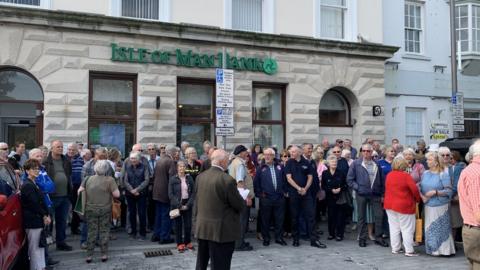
column 158, row 102
column 439, row 112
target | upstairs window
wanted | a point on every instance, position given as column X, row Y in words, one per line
column 467, row 26
column 247, row 15
column 141, row 9
column 27, row 3
column 332, row 18
column 413, row 27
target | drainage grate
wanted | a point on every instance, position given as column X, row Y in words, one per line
column 157, row 253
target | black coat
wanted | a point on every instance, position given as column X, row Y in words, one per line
column 329, row 182
column 175, row 192
column 33, row 206
column 67, row 167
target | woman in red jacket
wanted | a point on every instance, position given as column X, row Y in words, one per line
column 401, row 195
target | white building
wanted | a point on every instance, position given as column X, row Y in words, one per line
column 116, row 72
column 418, row 77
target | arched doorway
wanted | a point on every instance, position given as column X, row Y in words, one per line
column 21, row 106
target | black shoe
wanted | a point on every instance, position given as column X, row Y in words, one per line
column 166, row 241
column 320, row 232
column 154, row 238
column 330, row 237
column 76, row 232
column 244, row 248
column 381, row 242
column 247, row 244
column 339, row 238
column 51, row 262
column 296, row 243
column 317, row 244
column 266, row 243
column 362, row 243
column 64, row 247
column 281, row 242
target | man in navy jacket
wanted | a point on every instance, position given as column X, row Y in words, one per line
column 270, row 187
column 365, row 177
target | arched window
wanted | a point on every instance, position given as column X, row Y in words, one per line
column 16, row 85
column 334, row 109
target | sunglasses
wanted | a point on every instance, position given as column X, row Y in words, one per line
column 445, row 155
column 336, row 152
column 4, row 149
column 367, row 151
column 149, row 149
column 285, row 156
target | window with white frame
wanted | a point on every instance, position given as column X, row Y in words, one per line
column 413, row 27
column 333, row 18
column 413, row 125
column 471, row 124
column 141, row 9
column 467, row 26
column 247, row 15
column 27, row 3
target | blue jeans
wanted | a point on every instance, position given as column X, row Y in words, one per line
column 84, row 233
column 61, row 206
column 138, row 205
column 163, row 224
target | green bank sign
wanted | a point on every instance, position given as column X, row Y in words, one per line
column 190, row 59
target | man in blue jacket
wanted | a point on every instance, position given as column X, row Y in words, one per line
column 366, row 178
column 270, row 187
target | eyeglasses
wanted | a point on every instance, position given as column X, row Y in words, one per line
column 4, row 149
column 367, row 151
column 445, row 155
column 336, row 152
column 150, row 149
column 162, row 147
column 285, row 156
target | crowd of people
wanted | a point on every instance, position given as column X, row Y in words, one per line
column 411, row 196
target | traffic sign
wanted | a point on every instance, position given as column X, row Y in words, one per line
column 458, row 128
column 224, row 88
column 458, row 120
column 222, row 131
column 224, row 117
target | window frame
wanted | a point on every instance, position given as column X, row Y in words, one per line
column 422, row 134
column 268, row 16
column 470, row 29
column 44, row 4
column 421, row 30
column 188, row 120
column 349, row 110
column 350, row 27
column 282, row 122
column 92, row 118
column 471, row 119
column 164, row 11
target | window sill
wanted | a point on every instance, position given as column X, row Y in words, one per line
column 416, row 57
column 330, row 125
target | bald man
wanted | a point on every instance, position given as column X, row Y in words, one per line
column 217, row 213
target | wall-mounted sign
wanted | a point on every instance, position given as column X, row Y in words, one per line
column 377, row 110
column 439, row 130
column 190, row 59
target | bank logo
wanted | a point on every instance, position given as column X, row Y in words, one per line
column 270, row 66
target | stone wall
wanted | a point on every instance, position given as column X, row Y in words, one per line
column 62, row 57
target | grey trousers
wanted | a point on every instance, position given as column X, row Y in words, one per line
column 244, row 216
column 376, row 203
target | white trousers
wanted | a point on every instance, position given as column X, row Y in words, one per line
column 36, row 253
column 402, row 226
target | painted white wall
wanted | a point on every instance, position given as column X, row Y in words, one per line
column 206, row 12
column 88, row 6
column 294, row 18
column 370, row 20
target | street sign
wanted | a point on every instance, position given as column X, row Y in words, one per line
column 224, row 117
column 221, row 131
column 224, row 88
column 458, row 120
column 458, row 128
column 457, row 112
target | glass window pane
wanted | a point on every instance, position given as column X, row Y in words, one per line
column 247, row 15
column 268, row 135
column 144, row 9
column 23, row 2
column 195, row 134
column 112, row 97
column 16, row 85
column 332, row 22
column 195, row 100
column 110, row 134
column 267, row 104
column 333, row 2
column 333, row 109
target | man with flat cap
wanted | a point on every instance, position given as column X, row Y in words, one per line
column 217, row 211
column 238, row 170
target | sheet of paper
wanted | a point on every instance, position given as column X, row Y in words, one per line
column 243, row 192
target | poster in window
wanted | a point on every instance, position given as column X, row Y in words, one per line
column 113, row 135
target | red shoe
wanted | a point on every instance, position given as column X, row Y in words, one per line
column 190, row 246
column 181, row 248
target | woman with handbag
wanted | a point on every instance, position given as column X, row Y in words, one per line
column 182, row 195
column 100, row 189
column 35, row 216
column 436, row 191
column 401, row 196
column 335, row 185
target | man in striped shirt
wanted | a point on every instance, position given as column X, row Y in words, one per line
column 469, row 197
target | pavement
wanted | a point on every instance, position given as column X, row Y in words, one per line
column 126, row 254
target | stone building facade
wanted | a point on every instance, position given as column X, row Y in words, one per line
column 61, row 50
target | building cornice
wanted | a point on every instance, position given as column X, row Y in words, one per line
column 195, row 33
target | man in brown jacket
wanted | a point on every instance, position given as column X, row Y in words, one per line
column 164, row 169
column 217, row 211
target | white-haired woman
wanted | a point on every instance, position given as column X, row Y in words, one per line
column 415, row 169
column 193, row 166
column 436, row 190
column 347, row 154
column 99, row 189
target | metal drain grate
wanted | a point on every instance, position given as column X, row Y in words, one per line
column 157, row 253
